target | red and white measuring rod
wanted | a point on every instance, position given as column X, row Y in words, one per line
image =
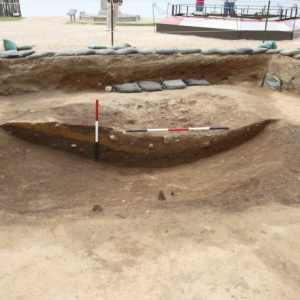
column 178, row 129
column 97, row 147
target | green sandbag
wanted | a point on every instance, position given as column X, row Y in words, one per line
column 150, row 86
column 245, row 50
column 81, row 52
column 146, row 51
column 105, row 52
column 297, row 56
column 126, row 51
column 196, row 82
column 24, row 47
column 290, row 52
column 259, row 50
column 227, row 51
column 96, row 46
column 9, row 54
column 40, row 54
column 268, row 45
column 127, row 88
column 25, row 53
column 189, row 50
column 118, row 47
column 173, row 84
column 166, row 51
column 210, row 51
column 9, row 45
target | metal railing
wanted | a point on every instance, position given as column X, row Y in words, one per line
column 238, row 11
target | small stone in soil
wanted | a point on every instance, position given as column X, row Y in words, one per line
column 97, row 209
column 162, row 196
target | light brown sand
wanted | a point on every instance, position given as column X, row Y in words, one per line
column 56, row 33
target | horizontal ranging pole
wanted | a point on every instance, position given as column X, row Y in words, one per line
column 178, row 129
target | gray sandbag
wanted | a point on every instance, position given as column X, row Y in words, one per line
column 196, row 82
column 81, row 52
column 273, row 51
column 40, row 54
column 166, row 51
column 121, row 46
column 296, row 56
column 25, row 53
column 189, row 50
column 272, row 82
column 127, row 88
column 105, row 52
column 227, row 51
column 146, row 51
column 150, row 86
column 173, row 84
column 127, row 51
column 210, row 51
column 9, row 54
column 24, row 47
column 290, row 52
column 243, row 51
column 96, row 46
column 259, row 50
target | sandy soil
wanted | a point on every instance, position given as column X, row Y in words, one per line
column 56, row 34
column 228, row 229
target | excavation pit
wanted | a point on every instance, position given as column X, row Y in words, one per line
column 70, row 85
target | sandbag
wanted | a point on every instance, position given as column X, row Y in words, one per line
column 166, row 51
column 25, row 53
column 297, row 56
column 96, row 46
column 9, row 54
column 105, row 52
column 272, row 82
column 290, row 52
column 127, row 88
column 9, row 45
column 189, row 50
column 210, row 51
column 40, row 54
column 81, row 52
column 196, row 82
column 242, row 51
column 173, row 84
column 146, row 51
column 273, row 51
column 227, row 51
column 127, row 51
column 268, row 45
column 259, row 50
column 24, row 47
column 150, row 86
column 121, row 46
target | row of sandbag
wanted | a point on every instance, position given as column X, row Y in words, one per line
column 151, row 86
column 145, row 51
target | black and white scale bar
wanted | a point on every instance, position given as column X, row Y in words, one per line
column 178, row 129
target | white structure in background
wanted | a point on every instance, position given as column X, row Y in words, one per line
column 112, row 12
column 103, row 14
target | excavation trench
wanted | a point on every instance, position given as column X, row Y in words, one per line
column 92, row 73
column 146, row 149
column 95, row 72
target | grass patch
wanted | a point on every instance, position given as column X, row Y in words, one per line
column 9, row 19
